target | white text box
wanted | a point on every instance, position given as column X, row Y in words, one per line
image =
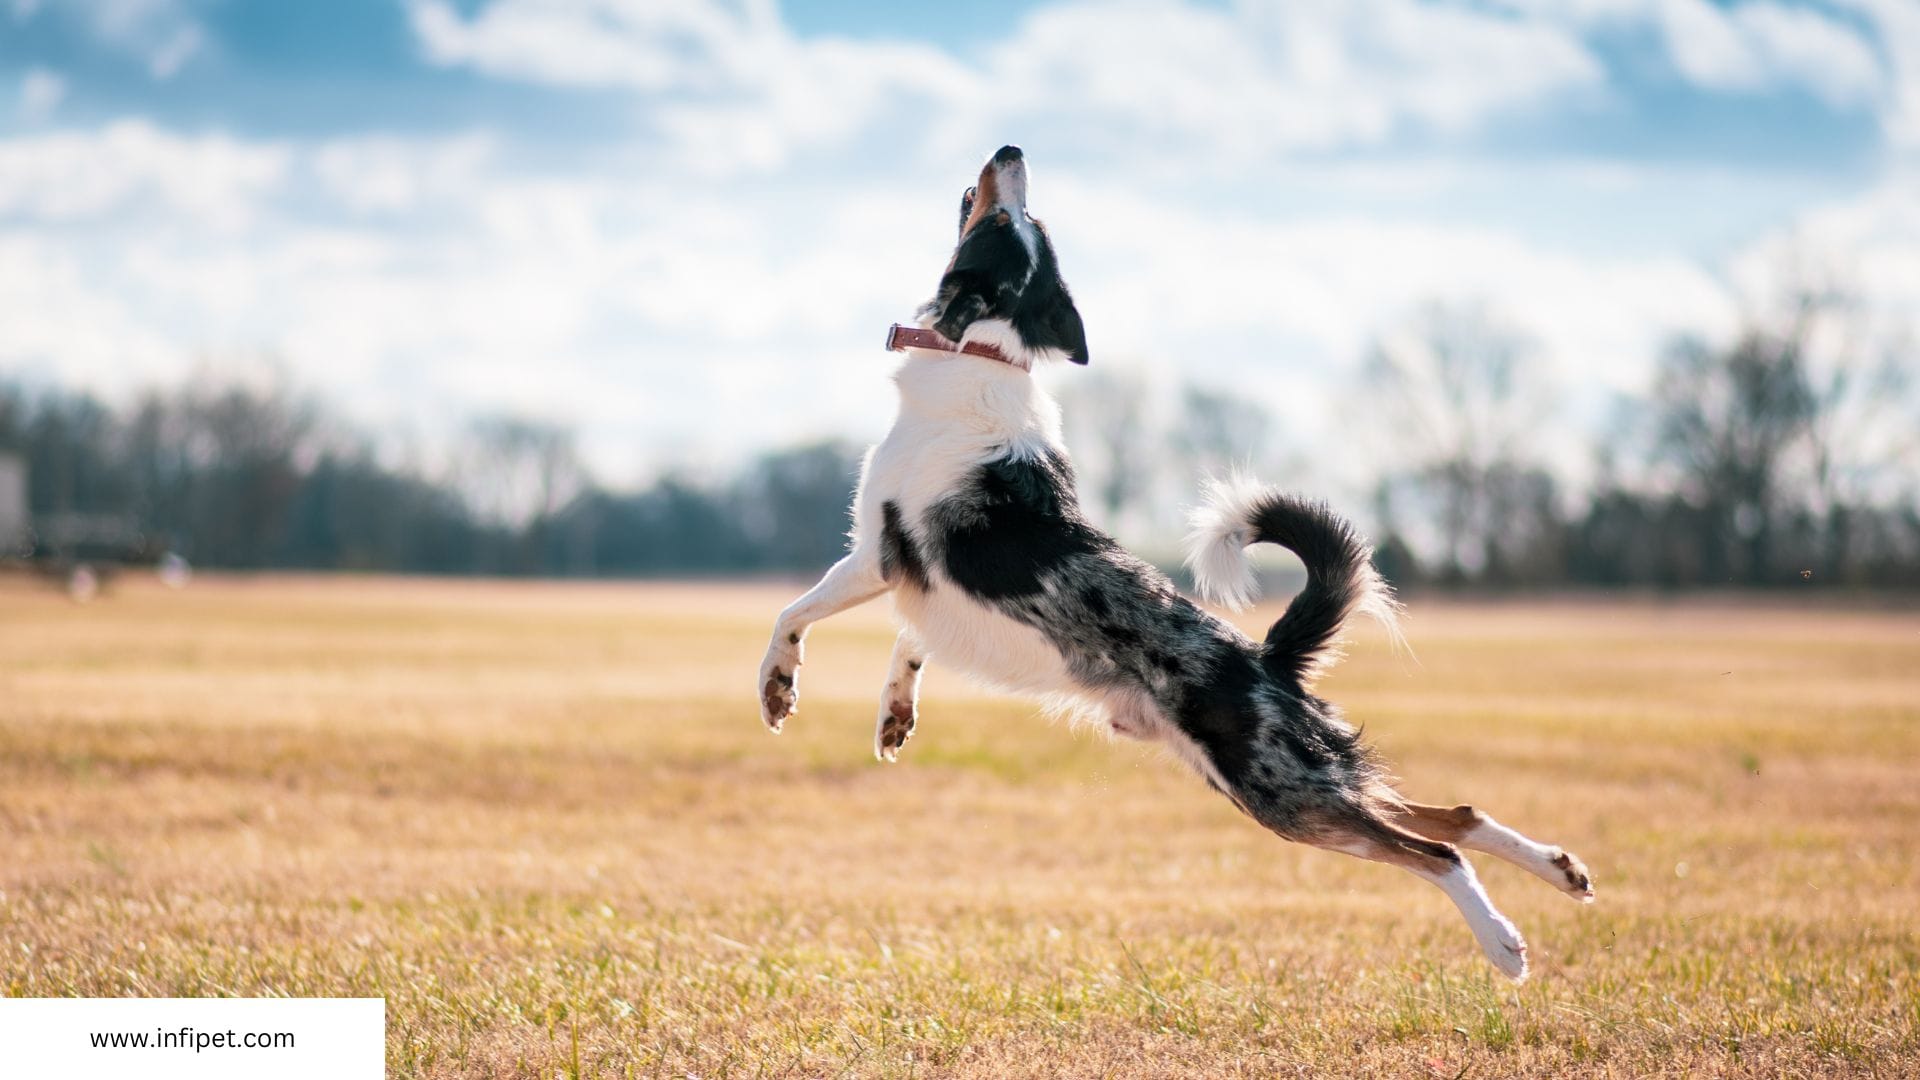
column 194, row 1038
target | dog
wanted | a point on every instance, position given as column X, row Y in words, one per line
column 966, row 513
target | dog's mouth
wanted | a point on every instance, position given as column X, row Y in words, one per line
column 1009, row 168
column 1002, row 188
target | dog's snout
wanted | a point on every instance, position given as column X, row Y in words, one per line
column 1007, row 155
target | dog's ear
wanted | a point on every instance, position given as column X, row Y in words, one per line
column 966, row 207
column 960, row 304
column 1068, row 330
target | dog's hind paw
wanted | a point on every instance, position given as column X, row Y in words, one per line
column 897, row 720
column 1507, row 949
column 1579, row 883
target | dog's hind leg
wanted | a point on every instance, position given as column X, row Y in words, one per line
column 1338, row 814
column 900, row 702
column 1471, row 829
column 853, row 580
column 1360, row 832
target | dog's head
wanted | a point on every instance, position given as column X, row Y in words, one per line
column 1003, row 285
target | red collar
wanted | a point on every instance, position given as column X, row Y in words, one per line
column 901, row 338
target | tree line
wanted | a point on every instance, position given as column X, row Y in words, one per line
column 250, row 475
column 1788, row 455
column 1783, row 457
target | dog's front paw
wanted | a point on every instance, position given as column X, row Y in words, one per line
column 779, row 690
column 897, row 719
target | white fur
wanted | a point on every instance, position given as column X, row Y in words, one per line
column 956, row 413
column 1222, row 526
column 853, row 580
column 1499, row 939
column 1010, row 187
column 903, row 689
column 1221, row 529
column 1497, row 935
column 1525, row 852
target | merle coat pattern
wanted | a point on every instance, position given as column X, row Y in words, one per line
column 967, row 515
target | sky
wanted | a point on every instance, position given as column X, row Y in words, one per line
column 682, row 226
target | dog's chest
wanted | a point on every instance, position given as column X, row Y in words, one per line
column 922, row 461
column 981, row 641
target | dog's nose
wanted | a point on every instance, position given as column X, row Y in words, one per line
column 1007, row 155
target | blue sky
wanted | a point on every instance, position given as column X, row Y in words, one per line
column 682, row 225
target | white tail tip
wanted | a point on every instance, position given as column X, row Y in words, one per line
column 1221, row 529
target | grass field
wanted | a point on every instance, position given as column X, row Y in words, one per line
column 544, row 823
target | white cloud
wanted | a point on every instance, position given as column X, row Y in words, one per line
column 823, row 94
column 1743, row 46
column 394, row 175
column 1800, row 44
column 61, row 323
column 738, row 88
column 640, row 44
column 171, row 53
column 70, row 176
column 41, row 92
column 413, row 277
column 1267, row 77
column 1898, row 25
column 427, row 278
column 1759, row 45
column 162, row 33
column 1220, row 86
column 1285, row 308
column 1868, row 246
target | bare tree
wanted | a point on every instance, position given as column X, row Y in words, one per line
column 1863, row 437
column 517, row 471
column 1217, row 431
column 1726, row 422
column 1108, row 426
column 1805, row 420
column 1458, row 398
column 219, row 462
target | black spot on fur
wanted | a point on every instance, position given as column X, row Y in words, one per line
column 1012, row 536
column 899, row 555
column 1217, row 712
column 1015, row 524
column 1046, row 317
column 1305, row 750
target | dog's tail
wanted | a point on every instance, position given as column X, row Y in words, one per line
column 1340, row 575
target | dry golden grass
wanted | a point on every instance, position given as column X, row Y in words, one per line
column 544, row 823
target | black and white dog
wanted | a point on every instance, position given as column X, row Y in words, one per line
column 967, row 514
